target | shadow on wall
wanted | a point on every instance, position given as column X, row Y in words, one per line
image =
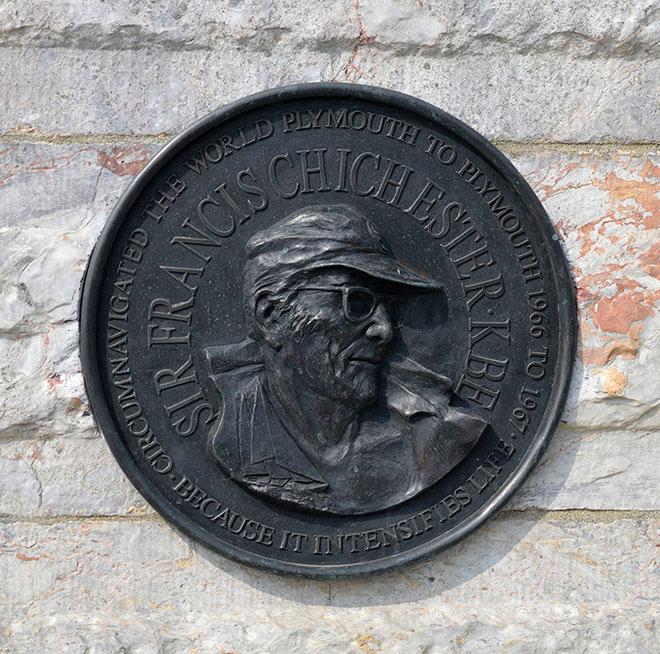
column 479, row 552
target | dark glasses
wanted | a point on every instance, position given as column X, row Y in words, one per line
column 358, row 302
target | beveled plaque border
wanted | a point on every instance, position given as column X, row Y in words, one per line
column 562, row 280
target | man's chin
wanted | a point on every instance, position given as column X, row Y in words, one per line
column 367, row 398
column 359, row 382
column 365, row 390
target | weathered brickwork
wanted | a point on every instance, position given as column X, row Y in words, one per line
column 568, row 90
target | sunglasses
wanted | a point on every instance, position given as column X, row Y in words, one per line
column 358, row 302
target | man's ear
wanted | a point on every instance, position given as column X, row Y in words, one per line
column 266, row 318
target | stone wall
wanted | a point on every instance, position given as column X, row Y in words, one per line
column 568, row 89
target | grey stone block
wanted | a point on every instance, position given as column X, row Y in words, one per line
column 606, row 209
column 544, row 96
column 63, row 477
column 67, row 476
column 607, row 470
column 580, row 28
column 493, row 26
column 193, row 25
column 520, row 584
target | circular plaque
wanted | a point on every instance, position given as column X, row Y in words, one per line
column 328, row 330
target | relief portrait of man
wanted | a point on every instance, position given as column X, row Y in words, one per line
column 318, row 411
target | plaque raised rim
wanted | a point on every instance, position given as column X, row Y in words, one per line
column 93, row 278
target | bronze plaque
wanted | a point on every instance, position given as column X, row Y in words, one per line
column 328, row 330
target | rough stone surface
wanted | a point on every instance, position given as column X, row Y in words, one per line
column 64, row 476
column 537, row 97
column 521, row 584
column 196, row 24
column 611, row 27
column 513, row 71
column 79, row 477
column 86, row 566
column 607, row 208
column 599, row 470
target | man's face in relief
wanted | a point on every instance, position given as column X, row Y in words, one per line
column 338, row 328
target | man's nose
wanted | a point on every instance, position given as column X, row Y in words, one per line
column 380, row 327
